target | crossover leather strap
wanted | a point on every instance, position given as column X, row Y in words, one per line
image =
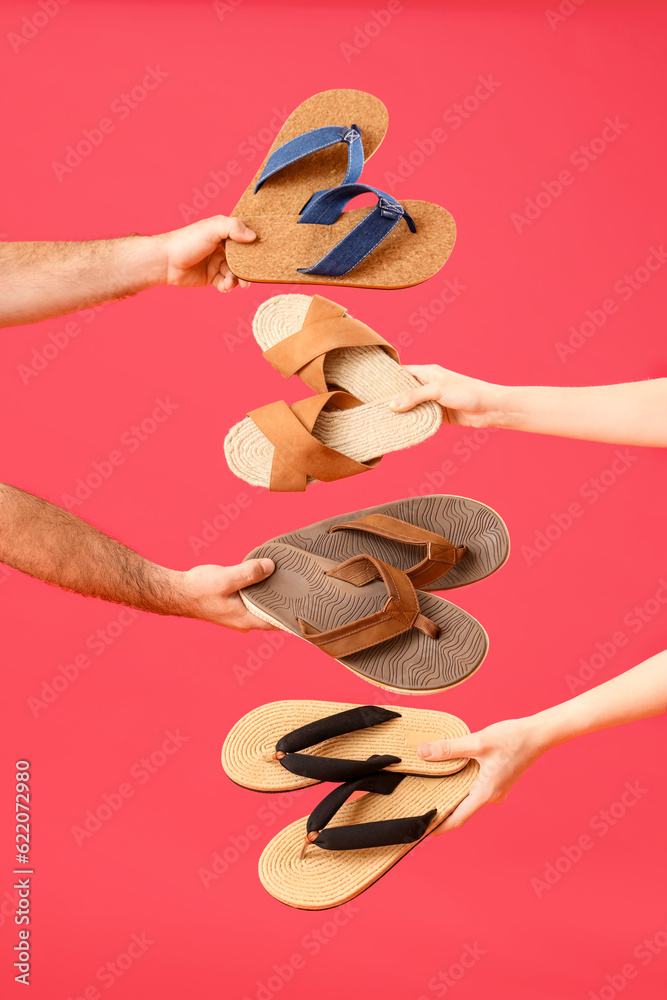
column 298, row 454
column 325, row 328
column 357, row 836
column 399, row 614
column 440, row 556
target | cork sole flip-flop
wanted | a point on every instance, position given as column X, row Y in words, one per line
column 369, row 617
column 343, row 847
column 326, row 437
column 317, row 340
column 263, row 750
column 288, row 189
column 457, row 521
column 288, row 246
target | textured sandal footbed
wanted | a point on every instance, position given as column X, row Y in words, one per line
column 284, row 245
column 362, row 433
column 322, row 879
column 247, row 753
column 462, row 521
column 290, row 189
column 411, row 663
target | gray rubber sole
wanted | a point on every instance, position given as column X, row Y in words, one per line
column 462, row 521
column 411, row 663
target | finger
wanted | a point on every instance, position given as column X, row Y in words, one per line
column 239, row 232
column 411, row 399
column 463, row 747
column 251, row 622
column 225, row 280
column 470, row 805
column 247, row 573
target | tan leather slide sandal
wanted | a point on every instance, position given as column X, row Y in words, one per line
column 317, row 340
column 326, row 437
column 441, row 542
column 286, row 745
column 390, row 245
column 344, row 846
column 369, row 617
column 323, row 143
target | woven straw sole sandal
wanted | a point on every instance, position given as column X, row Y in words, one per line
column 361, row 247
column 343, row 847
column 316, row 339
column 462, row 541
column 323, row 143
column 369, row 617
column 326, row 437
column 263, row 750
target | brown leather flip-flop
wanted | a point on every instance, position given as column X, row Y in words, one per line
column 441, row 542
column 368, row 615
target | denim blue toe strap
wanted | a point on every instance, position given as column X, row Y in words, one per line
column 311, row 142
column 366, row 235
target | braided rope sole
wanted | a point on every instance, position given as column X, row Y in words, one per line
column 366, row 372
column 322, row 879
column 247, row 753
column 362, row 433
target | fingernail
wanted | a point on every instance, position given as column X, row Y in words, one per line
column 394, row 403
column 425, row 749
column 267, row 565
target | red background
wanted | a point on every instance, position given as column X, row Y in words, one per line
column 140, row 872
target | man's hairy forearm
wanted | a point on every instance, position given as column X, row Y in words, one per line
column 41, row 280
column 53, row 545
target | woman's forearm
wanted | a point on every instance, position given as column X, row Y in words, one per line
column 630, row 413
column 636, row 694
column 42, row 280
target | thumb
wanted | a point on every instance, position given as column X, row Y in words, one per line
column 464, row 746
column 239, row 232
column 411, row 399
column 249, row 572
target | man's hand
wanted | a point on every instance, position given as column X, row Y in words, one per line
column 195, row 255
column 465, row 401
column 212, row 593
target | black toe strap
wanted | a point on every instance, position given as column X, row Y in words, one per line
column 332, row 768
column 379, row 834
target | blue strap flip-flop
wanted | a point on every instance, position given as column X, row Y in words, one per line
column 322, row 144
column 392, row 244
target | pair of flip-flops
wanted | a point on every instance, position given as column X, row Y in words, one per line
column 347, row 842
column 348, row 426
column 296, row 205
column 357, row 586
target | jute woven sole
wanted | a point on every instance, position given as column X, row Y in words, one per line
column 288, row 191
column 322, row 879
column 283, row 245
column 411, row 663
column 366, row 372
column 247, row 753
column 462, row 521
column 362, row 433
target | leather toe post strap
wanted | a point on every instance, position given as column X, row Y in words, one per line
column 440, row 556
column 381, row 833
column 399, row 614
column 326, row 327
column 298, row 455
